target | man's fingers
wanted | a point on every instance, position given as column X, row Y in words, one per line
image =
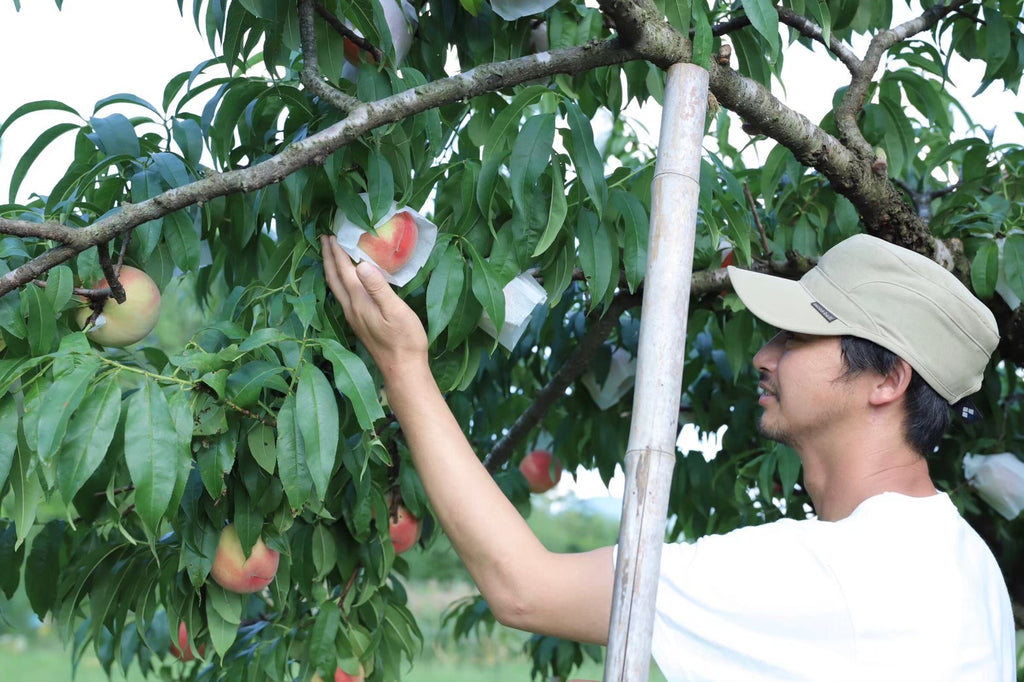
column 375, row 285
column 332, row 262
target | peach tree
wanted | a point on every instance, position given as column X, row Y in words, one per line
column 505, row 124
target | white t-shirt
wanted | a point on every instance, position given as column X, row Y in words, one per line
column 902, row 589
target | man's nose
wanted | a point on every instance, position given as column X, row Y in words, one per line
column 767, row 357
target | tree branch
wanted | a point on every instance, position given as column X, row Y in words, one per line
column 853, row 99
column 49, row 229
column 310, row 74
column 880, row 204
column 811, row 30
column 316, row 147
column 574, row 366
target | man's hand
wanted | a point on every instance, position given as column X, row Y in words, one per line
column 388, row 327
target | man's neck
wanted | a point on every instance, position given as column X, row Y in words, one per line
column 839, row 481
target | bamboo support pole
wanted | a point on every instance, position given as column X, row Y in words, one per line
column 650, row 455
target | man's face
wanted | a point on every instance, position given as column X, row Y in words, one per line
column 803, row 388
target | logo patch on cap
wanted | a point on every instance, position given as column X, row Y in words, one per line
column 824, row 312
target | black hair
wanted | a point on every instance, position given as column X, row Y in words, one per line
column 927, row 412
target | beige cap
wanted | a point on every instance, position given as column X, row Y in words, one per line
column 899, row 299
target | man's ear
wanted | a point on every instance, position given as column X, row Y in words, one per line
column 892, row 386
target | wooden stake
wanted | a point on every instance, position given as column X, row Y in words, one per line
column 650, row 454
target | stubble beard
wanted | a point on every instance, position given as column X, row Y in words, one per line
column 773, row 432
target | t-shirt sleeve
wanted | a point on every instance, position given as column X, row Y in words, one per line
column 751, row 604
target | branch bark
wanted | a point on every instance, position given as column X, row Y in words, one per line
column 316, row 147
column 855, row 96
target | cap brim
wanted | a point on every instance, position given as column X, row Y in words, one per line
column 783, row 303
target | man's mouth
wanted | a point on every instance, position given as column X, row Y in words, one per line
column 765, row 393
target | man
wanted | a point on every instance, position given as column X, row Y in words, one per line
column 887, row 583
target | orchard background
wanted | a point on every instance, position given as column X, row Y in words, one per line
column 120, row 466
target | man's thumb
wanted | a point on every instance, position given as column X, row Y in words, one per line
column 373, row 281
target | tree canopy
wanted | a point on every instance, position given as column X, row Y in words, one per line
column 119, row 467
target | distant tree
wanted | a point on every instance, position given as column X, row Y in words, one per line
column 270, row 416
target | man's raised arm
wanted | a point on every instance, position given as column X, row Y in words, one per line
column 526, row 586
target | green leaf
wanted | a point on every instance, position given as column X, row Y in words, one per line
column 43, row 567
column 589, row 165
column 244, row 386
column 325, row 550
column 531, row 153
column 819, row 11
column 60, row 282
column 488, row 289
column 42, row 323
column 789, row 468
column 443, row 291
column 88, row 436
column 41, row 142
column 214, row 460
column 62, row 398
column 466, row 316
column 703, row 36
column 247, row 520
column 557, row 211
column 262, row 337
column 291, row 457
column 8, row 435
column 985, row 269
column 322, row 649
column 26, row 490
column 315, row 401
column 263, row 447
column 125, row 98
column 114, row 135
column 183, row 239
column 597, row 255
column 151, row 454
column 11, row 557
column 500, row 132
column 189, row 137
column 380, row 185
column 634, row 236
column 32, row 107
column 1013, row 263
column 737, row 332
column 765, row 20
column 353, row 380
column 222, row 630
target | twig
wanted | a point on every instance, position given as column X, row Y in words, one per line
column 574, row 366
column 348, row 584
column 125, row 241
column 87, row 292
column 339, row 26
column 757, row 221
column 111, row 273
